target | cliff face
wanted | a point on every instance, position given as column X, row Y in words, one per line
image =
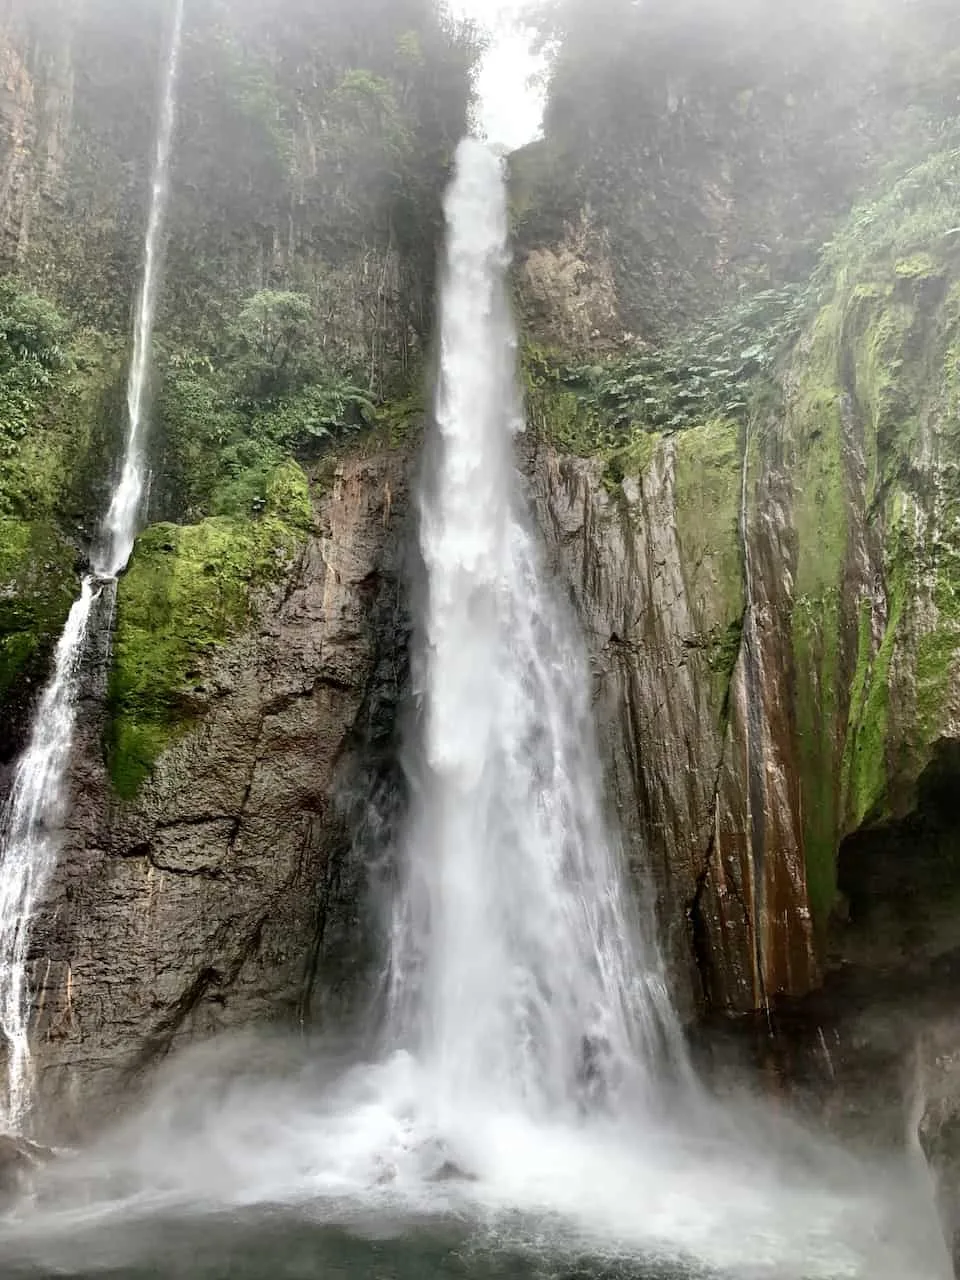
column 233, row 889
column 688, row 697
column 772, row 606
column 757, row 518
column 309, row 160
column 698, row 150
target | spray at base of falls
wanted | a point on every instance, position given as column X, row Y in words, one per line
column 35, row 810
column 520, row 972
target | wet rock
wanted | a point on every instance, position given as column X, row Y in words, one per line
column 776, row 645
column 232, row 890
column 694, row 730
column 19, row 1160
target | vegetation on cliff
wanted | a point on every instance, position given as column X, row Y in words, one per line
column 310, row 157
column 758, row 259
column 58, row 395
column 189, row 589
column 709, row 147
column 841, row 395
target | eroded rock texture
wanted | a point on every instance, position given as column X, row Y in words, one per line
column 772, row 606
column 692, row 720
column 230, row 890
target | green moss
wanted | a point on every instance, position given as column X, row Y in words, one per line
column 51, row 459
column 866, row 771
column 50, row 474
column 936, row 670
column 564, row 418
column 288, row 496
column 815, row 431
column 815, row 626
column 708, row 481
column 187, row 591
column 858, row 376
column 708, row 491
column 399, row 424
column 631, row 459
column 919, row 266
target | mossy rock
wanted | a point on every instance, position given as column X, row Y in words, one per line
column 873, row 416
column 708, row 491
column 919, row 266
column 60, row 471
column 38, row 583
column 188, row 590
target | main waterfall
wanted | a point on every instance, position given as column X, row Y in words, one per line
column 35, row 809
column 520, row 971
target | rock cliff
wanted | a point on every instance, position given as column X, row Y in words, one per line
column 772, row 603
column 233, row 888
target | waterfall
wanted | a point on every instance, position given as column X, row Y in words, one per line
column 120, row 523
column 29, row 828
column 521, row 974
column 35, row 809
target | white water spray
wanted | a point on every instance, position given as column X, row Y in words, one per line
column 520, row 973
column 35, row 809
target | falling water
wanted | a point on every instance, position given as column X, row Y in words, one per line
column 35, row 809
column 29, row 828
column 120, row 523
column 520, row 973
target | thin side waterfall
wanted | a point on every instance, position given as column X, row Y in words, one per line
column 521, row 975
column 34, row 812
column 122, row 518
column 30, row 823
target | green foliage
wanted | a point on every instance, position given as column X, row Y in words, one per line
column 312, row 154
column 32, row 354
column 37, row 587
column 910, row 222
column 230, row 416
column 717, row 143
column 276, row 342
column 713, row 371
column 188, row 589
